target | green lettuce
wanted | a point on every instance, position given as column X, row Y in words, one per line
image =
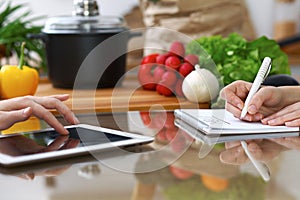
column 234, row 58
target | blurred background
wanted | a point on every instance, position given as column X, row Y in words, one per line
column 261, row 12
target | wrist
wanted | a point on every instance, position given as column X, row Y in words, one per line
column 289, row 94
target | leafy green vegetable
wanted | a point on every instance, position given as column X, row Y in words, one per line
column 14, row 29
column 234, row 58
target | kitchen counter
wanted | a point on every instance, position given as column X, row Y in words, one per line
column 167, row 169
column 127, row 97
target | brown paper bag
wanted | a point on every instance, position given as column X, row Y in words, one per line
column 193, row 18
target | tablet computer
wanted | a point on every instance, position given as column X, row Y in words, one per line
column 45, row 145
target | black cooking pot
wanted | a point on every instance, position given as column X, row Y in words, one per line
column 88, row 51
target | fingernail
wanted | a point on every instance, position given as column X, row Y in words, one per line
column 271, row 122
column 247, row 118
column 264, row 120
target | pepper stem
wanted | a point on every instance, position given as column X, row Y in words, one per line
column 21, row 61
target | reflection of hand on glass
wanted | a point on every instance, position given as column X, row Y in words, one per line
column 261, row 150
column 288, row 142
column 19, row 145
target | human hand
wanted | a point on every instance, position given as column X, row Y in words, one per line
column 21, row 108
column 289, row 116
column 265, row 102
column 288, row 142
column 261, row 150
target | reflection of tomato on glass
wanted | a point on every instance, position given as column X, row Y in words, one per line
column 180, row 173
column 166, row 131
column 211, row 182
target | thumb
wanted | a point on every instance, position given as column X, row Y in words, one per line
column 7, row 119
column 258, row 100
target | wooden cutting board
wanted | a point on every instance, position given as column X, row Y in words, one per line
column 128, row 97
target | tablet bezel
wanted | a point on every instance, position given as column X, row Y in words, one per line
column 135, row 139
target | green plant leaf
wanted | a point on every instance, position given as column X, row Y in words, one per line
column 14, row 29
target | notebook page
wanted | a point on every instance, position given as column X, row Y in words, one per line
column 216, row 120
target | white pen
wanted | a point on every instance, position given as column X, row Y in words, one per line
column 262, row 169
column 261, row 75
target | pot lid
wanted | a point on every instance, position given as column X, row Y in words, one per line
column 84, row 24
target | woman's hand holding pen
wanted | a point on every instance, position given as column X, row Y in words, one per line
column 265, row 103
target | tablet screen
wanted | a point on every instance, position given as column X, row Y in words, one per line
column 85, row 136
column 49, row 140
column 47, row 144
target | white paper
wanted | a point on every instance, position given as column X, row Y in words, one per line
column 220, row 121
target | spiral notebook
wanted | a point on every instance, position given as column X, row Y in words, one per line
column 219, row 125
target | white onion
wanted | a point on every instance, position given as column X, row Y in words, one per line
column 200, row 86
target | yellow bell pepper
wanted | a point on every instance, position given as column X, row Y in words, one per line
column 31, row 124
column 18, row 80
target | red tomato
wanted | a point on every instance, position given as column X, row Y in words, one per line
column 185, row 69
column 145, row 76
column 177, row 49
column 163, row 90
column 158, row 73
column 149, row 59
column 173, row 62
column 178, row 88
column 192, row 59
column 168, row 79
column 161, row 59
column 145, row 116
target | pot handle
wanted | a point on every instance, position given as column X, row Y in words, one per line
column 135, row 34
column 40, row 36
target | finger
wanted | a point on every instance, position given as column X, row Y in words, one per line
column 28, row 176
column 253, row 118
column 293, row 123
column 56, row 144
column 61, row 97
column 71, row 143
column 9, row 118
column 234, row 95
column 44, row 114
column 229, row 145
column 55, row 103
column 233, row 109
column 234, row 156
column 289, row 119
column 237, row 113
column 288, row 142
column 255, row 150
column 289, row 113
column 262, row 95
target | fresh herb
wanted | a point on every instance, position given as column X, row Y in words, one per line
column 234, row 58
column 14, row 30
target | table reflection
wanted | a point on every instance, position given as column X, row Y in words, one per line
column 175, row 171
